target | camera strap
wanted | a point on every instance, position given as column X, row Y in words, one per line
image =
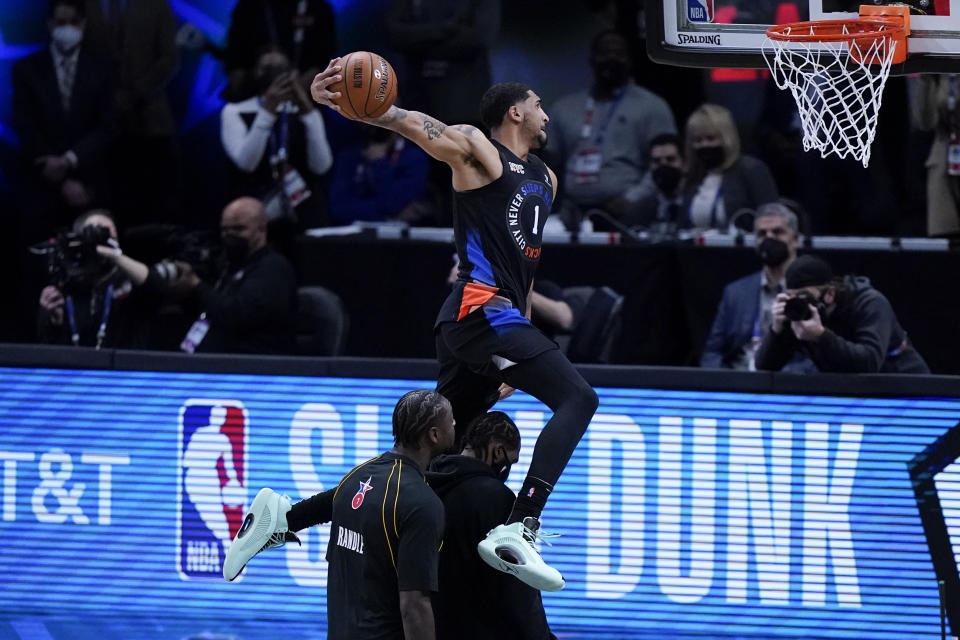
column 104, row 317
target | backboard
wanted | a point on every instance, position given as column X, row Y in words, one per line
column 730, row 33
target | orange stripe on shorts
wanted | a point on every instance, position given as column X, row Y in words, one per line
column 474, row 295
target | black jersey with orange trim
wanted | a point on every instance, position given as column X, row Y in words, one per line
column 385, row 537
column 498, row 232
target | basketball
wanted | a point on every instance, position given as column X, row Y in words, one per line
column 369, row 85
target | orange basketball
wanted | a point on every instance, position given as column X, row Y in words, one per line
column 369, row 85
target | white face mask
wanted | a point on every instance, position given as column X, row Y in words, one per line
column 67, row 36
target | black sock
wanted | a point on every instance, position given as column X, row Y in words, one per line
column 531, row 500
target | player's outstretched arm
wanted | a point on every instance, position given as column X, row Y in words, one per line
column 460, row 146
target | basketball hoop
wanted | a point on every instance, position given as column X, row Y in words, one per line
column 836, row 71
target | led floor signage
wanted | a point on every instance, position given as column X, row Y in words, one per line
column 686, row 514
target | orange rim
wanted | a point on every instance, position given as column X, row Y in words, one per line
column 833, row 30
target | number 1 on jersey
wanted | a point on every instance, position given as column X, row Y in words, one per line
column 536, row 218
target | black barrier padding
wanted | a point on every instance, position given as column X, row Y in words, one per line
column 679, row 378
column 393, row 289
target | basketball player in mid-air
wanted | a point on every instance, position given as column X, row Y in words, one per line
column 486, row 344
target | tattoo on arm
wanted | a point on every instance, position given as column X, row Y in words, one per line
column 433, row 129
column 394, row 114
column 465, row 129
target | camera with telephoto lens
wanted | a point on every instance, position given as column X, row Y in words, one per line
column 165, row 245
column 797, row 308
column 73, row 263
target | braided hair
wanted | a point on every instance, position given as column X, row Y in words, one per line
column 416, row 412
column 490, row 427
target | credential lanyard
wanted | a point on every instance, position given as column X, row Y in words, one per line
column 716, row 204
column 587, row 128
column 104, row 318
column 278, row 141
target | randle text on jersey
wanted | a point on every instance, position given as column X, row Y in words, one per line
column 349, row 539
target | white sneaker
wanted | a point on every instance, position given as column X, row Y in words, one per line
column 264, row 527
column 510, row 548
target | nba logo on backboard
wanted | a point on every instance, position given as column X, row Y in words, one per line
column 212, row 484
column 700, row 10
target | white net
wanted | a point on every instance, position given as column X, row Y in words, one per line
column 838, row 87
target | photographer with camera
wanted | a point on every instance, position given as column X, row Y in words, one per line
column 277, row 143
column 843, row 324
column 99, row 296
column 744, row 314
column 252, row 307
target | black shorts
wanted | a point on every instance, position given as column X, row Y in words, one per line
column 473, row 352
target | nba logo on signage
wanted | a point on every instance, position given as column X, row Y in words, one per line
column 212, row 484
column 700, row 10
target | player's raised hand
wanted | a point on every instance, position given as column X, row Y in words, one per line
column 319, row 88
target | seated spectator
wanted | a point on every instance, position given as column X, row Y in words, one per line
column 252, row 308
column 100, row 297
column 584, row 321
column 602, row 135
column 278, row 145
column 657, row 203
column 549, row 310
column 843, row 324
column 61, row 113
column 720, row 180
column 744, row 315
column 385, row 179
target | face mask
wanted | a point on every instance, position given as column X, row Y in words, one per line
column 267, row 75
column 66, row 37
column 235, row 249
column 773, row 252
column 711, row 157
column 666, row 177
column 502, row 466
column 612, row 73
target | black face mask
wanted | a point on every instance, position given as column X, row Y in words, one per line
column 235, row 249
column 611, row 73
column 500, row 467
column 711, row 157
column 667, row 178
column 773, row 252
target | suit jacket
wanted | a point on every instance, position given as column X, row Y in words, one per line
column 45, row 128
column 733, row 326
column 748, row 183
column 146, row 54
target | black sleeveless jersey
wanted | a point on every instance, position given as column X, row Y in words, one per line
column 498, row 232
